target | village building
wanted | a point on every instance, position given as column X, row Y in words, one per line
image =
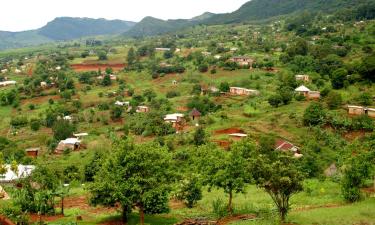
column 3, row 195
column 238, row 135
column 17, row 71
column 174, row 82
column 7, row 83
column 23, row 171
column 285, row 146
column 119, row 103
column 217, row 56
column 43, row 84
column 356, row 110
column 80, row 135
column 206, row 53
column 68, row 118
column 313, row 95
column 195, row 114
column 233, row 49
column 304, row 78
column 243, row 91
column 69, row 143
column 32, row 152
column 111, row 76
column 4, row 70
column 176, row 119
column 142, row 109
column 243, row 61
column 177, row 50
column 302, row 90
column 162, row 49
column 370, row 112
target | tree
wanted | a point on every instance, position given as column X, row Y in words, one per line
column 149, row 94
column 199, row 137
column 279, row 177
column 107, row 80
column 226, row 170
column 131, row 56
column 314, row 114
column 190, row 191
column 63, row 129
column 275, row 100
column 334, row 100
column 357, row 170
column 368, row 68
column 224, row 87
column 338, row 78
column 135, row 176
column 286, row 94
column 102, row 55
column 116, row 112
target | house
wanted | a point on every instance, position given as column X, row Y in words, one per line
column 242, row 91
column 177, row 50
column 142, row 109
column 3, row 195
column 217, row 56
column 238, row 135
column 243, row 61
column 111, row 76
column 162, row 49
column 176, row 119
column 69, row 143
column 195, row 114
column 10, row 175
column 119, row 103
column 285, row 146
column 356, row 110
column 7, row 83
column 304, row 78
column 233, row 49
column 206, row 53
column 58, row 68
column 43, row 84
column 68, row 118
column 370, row 112
column 80, row 135
column 32, row 152
column 4, row 71
column 313, row 95
column 174, row 82
column 17, row 71
column 302, row 90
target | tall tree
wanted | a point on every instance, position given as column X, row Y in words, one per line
column 131, row 56
column 135, row 176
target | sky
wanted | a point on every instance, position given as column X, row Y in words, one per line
column 19, row 15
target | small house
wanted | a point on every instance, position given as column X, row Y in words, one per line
column 313, row 95
column 32, row 152
column 302, row 90
column 217, row 57
column 68, row 118
column 370, row 112
column 23, row 171
column 142, row 109
column 285, row 146
column 233, row 49
column 7, row 83
column 111, row 76
column 119, row 103
column 174, row 82
column 80, row 135
column 162, row 49
column 243, row 61
column 238, row 135
column 69, row 143
column 17, row 71
column 356, row 110
column 43, row 84
column 195, row 114
column 4, row 71
column 304, row 78
column 206, row 54
column 243, row 91
column 175, row 119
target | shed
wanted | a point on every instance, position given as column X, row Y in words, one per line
column 303, row 90
column 32, row 152
column 69, row 143
column 286, row 146
column 23, row 172
column 304, row 78
column 356, row 110
column 142, row 109
column 243, row 91
column 195, row 114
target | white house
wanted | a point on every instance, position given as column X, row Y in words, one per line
column 162, row 49
column 69, row 143
column 175, row 119
column 119, row 103
column 23, row 172
column 7, row 83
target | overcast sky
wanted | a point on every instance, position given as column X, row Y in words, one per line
column 17, row 15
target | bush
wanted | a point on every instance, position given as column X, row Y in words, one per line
column 219, row 208
column 20, row 121
column 275, row 100
column 172, row 94
column 334, row 100
column 314, row 115
column 190, row 192
column 35, row 124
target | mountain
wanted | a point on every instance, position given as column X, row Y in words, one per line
column 150, row 26
column 67, row 28
column 265, row 9
column 63, row 29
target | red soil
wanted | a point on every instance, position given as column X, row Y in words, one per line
column 230, row 131
column 229, row 219
column 5, row 221
column 222, row 143
column 35, row 218
column 96, row 67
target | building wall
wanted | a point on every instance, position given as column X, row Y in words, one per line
column 371, row 114
column 356, row 111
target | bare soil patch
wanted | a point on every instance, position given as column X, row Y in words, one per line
column 97, row 66
column 229, row 219
column 45, row 218
column 230, row 131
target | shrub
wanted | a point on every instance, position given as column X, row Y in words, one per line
column 334, row 100
column 190, row 192
column 172, row 94
column 35, row 124
column 314, row 115
column 20, row 121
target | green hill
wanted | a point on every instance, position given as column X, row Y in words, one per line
column 21, row 39
column 67, row 28
column 265, row 9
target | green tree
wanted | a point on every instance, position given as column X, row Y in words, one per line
column 338, row 78
column 106, row 80
column 334, row 100
column 135, row 176
column 63, row 129
column 275, row 100
column 199, row 137
column 131, row 56
column 368, row 68
column 224, row 87
column 190, row 191
column 279, row 177
column 314, row 114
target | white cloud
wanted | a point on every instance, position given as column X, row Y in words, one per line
column 19, row 15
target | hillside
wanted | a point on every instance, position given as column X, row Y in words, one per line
column 260, row 9
column 63, row 29
column 66, row 28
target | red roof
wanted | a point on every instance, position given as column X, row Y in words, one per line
column 195, row 112
column 283, row 145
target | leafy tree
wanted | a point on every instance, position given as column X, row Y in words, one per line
column 279, row 177
column 116, row 112
column 334, row 100
column 63, row 129
column 286, row 94
column 102, row 55
column 190, row 191
column 107, row 80
column 368, row 68
column 226, row 170
column 275, row 100
column 199, row 137
column 149, row 94
column 224, row 87
column 131, row 56
column 135, row 176
column 314, row 115
column 338, row 78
